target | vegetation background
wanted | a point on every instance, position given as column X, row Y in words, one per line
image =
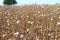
column 30, row 22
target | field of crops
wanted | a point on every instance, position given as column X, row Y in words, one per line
column 30, row 22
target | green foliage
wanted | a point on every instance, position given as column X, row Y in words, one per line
column 9, row 2
column 54, row 6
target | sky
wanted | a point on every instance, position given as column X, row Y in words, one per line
column 22, row 2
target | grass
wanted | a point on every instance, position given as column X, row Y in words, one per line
column 55, row 7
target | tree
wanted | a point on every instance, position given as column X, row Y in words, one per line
column 9, row 2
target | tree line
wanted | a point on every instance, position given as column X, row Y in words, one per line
column 9, row 2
